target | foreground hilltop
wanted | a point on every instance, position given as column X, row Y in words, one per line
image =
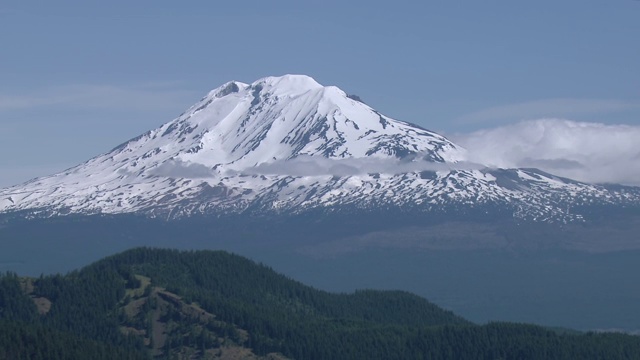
column 147, row 303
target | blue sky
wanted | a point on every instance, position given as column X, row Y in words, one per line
column 79, row 77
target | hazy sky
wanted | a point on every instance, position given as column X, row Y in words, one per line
column 79, row 77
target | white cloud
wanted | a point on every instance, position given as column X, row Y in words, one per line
column 314, row 166
column 547, row 108
column 143, row 97
column 181, row 169
column 588, row 152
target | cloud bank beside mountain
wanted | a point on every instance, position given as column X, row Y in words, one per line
column 590, row 152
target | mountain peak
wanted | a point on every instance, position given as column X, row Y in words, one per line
column 289, row 83
column 284, row 142
column 238, row 126
column 296, row 81
column 227, row 88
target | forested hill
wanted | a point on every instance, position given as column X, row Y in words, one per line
column 152, row 303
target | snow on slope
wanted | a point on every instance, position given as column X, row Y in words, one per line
column 288, row 144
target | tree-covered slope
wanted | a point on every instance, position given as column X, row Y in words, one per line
column 206, row 304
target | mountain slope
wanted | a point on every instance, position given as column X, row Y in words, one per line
column 288, row 144
column 194, row 305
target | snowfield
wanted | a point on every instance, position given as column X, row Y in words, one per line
column 289, row 144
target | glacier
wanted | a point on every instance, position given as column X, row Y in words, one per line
column 288, row 145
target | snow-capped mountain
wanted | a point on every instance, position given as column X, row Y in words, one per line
column 289, row 144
